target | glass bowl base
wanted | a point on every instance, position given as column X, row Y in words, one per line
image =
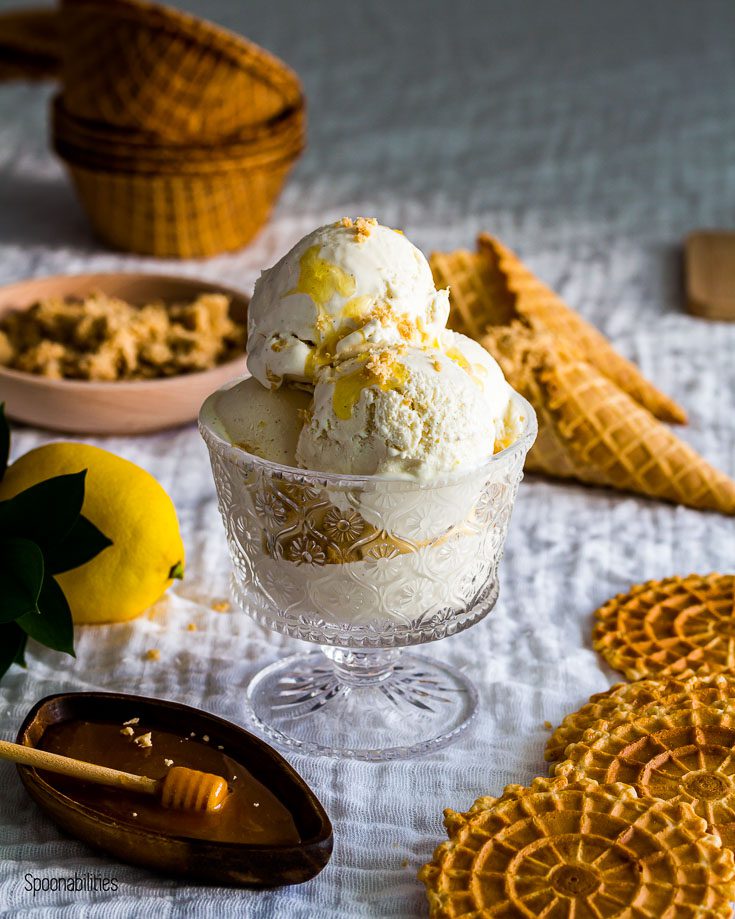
column 372, row 705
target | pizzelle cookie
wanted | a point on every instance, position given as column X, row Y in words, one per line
column 578, row 850
column 678, row 627
column 683, row 755
column 642, row 697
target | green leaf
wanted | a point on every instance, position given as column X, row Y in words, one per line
column 20, row 656
column 45, row 512
column 21, row 578
column 82, row 544
column 12, row 643
column 4, row 441
column 53, row 627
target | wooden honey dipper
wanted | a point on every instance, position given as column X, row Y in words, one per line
column 181, row 788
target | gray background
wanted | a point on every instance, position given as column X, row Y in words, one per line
column 591, row 137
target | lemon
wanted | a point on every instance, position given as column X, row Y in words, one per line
column 132, row 509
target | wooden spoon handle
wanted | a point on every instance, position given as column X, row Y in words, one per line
column 65, row 765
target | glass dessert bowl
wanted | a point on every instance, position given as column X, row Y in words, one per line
column 364, row 566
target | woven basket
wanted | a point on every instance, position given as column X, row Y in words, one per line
column 172, row 215
column 148, row 68
column 110, row 139
column 90, row 144
column 29, row 44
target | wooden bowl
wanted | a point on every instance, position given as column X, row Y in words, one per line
column 123, row 407
column 217, row 862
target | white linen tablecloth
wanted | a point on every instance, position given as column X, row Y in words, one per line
column 590, row 137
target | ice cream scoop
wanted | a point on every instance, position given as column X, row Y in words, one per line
column 261, row 421
column 487, row 373
column 343, row 287
column 418, row 412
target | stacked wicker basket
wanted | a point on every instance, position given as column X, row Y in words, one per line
column 178, row 134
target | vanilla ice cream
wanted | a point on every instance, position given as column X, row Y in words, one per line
column 413, row 412
column 508, row 416
column 351, row 314
column 346, row 285
column 260, row 421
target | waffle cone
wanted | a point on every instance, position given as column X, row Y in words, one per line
column 578, row 849
column 493, row 287
column 591, row 430
column 145, row 67
column 681, row 755
column 643, row 697
column 678, row 627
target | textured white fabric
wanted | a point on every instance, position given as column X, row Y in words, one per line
column 591, row 137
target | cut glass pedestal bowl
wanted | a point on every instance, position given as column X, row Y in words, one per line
column 362, row 567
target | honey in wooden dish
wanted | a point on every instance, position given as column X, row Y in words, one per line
column 251, row 813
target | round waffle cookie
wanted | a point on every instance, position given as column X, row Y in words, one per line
column 680, row 755
column 562, row 849
column 677, row 627
column 642, row 697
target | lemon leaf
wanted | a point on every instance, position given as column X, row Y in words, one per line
column 12, row 644
column 21, row 578
column 53, row 627
column 4, row 441
column 20, row 654
column 45, row 512
column 81, row 545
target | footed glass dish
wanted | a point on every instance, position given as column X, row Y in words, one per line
column 363, row 566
